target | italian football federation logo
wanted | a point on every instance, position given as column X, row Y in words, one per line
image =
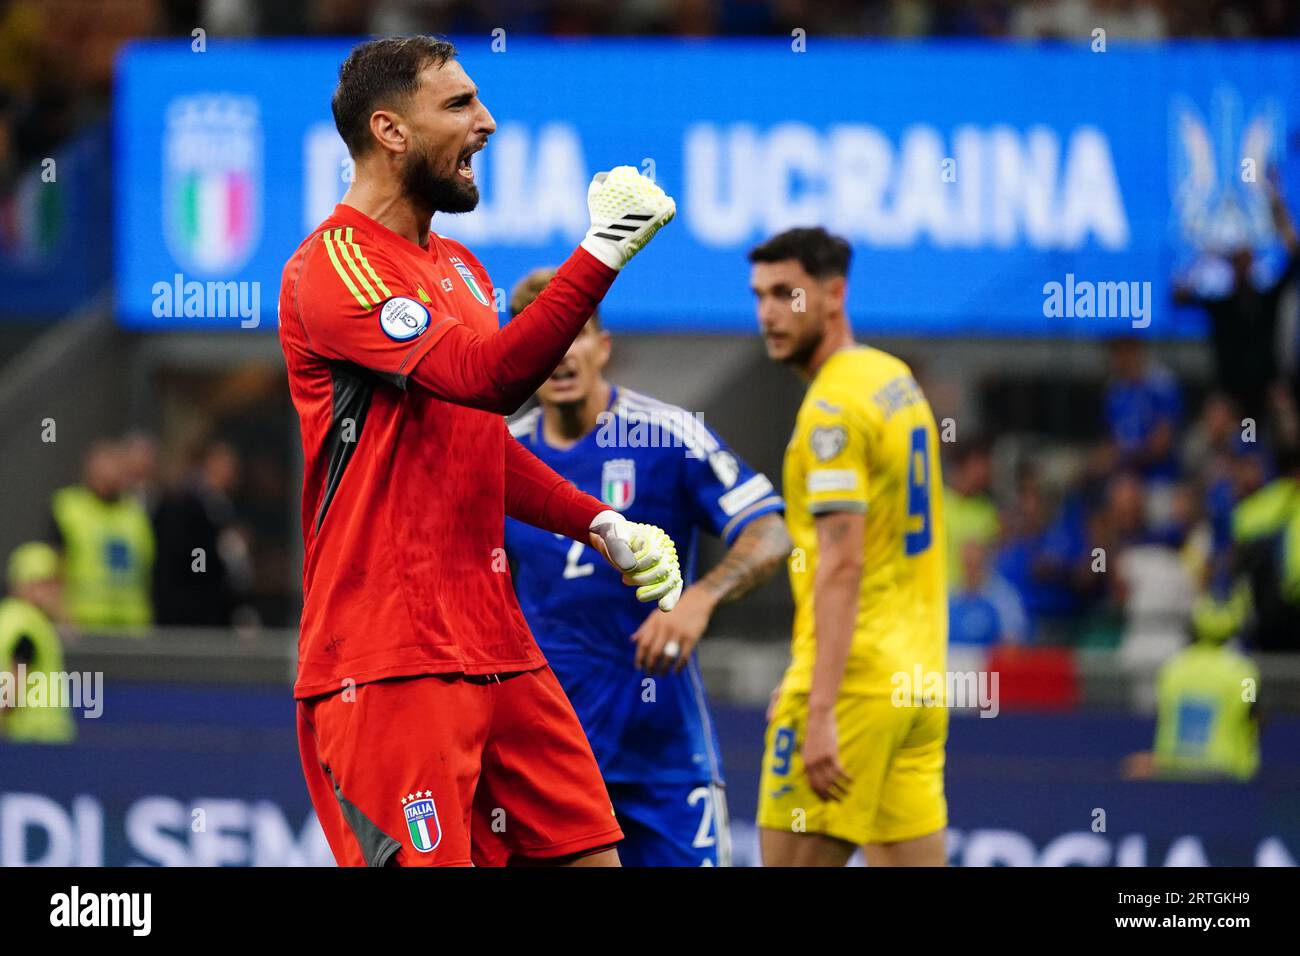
column 212, row 172
column 618, row 483
column 422, row 821
column 470, row 281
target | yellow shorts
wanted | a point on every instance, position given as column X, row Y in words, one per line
column 894, row 756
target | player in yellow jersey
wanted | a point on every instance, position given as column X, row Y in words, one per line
column 855, row 740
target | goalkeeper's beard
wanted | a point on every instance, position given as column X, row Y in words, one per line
column 451, row 193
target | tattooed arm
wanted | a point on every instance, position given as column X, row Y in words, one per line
column 752, row 559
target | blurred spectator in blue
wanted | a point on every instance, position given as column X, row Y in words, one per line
column 1043, row 558
column 107, row 546
column 1144, row 410
column 1118, row 525
column 969, row 18
column 983, row 609
column 1247, row 473
column 969, row 513
column 1230, row 464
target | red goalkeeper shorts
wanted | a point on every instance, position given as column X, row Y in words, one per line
column 448, row 770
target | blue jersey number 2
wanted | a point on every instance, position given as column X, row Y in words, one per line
column 917, row 538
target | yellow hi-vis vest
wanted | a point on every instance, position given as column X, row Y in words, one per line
column 108, row 552
column 1204, row 723
column 31, row 723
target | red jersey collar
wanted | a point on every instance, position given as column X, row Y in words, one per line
column 354, row 217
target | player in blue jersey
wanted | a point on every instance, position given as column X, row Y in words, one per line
column 632, row 678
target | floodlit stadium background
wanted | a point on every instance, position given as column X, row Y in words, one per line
column 974, row 152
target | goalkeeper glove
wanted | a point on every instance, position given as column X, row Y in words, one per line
column 646, row 556
column 626, row 209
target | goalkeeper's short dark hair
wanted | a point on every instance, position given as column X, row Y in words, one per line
column 530, row 287
column 819, row 252
column 381, row 73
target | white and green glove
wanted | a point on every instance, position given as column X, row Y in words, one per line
column 646, row 556
column 626, row 209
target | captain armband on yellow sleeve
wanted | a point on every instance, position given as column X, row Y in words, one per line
column 835, row 489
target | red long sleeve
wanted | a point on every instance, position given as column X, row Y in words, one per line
column 538, row 496
column 498, row 372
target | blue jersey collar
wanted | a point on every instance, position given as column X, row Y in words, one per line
column 539, row 430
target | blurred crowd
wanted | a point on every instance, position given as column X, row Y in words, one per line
column 1017, row 19
column 1173, row 521
column 124, row 552
column 1173, row 540
column 1179, row 520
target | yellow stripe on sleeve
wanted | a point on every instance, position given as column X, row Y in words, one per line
column 343, row 273
column 379, row 283
column 343, row 243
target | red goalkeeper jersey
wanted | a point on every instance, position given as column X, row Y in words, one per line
column 405, row 485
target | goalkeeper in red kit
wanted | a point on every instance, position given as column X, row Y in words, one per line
column 431, row 730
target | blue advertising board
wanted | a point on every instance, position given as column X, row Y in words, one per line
column 1047, row 190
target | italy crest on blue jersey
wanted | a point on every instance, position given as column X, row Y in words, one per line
column 618, row 483
column 657, row 464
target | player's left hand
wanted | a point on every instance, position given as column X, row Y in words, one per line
column 644, row 553
column 665, row 641
column 821, row 757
